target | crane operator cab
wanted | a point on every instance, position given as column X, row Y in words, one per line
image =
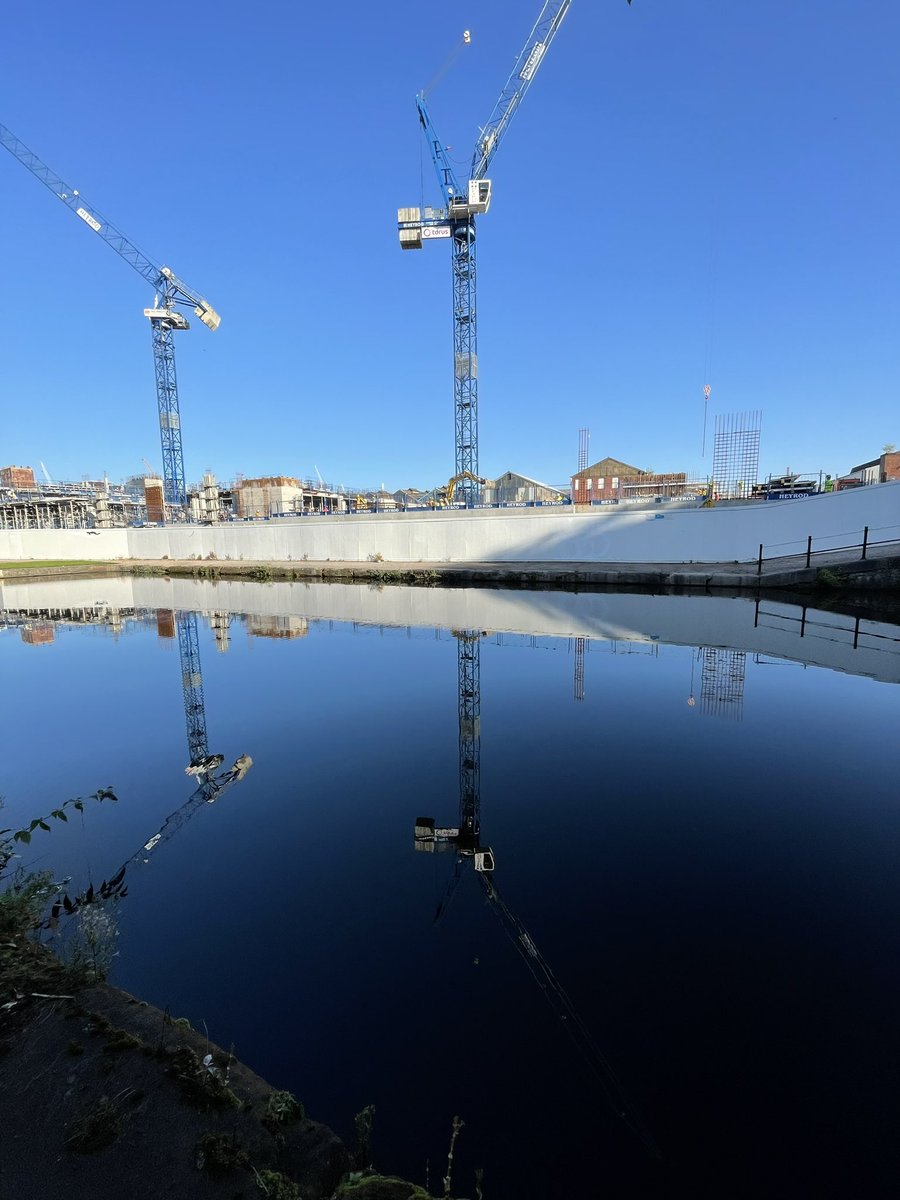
column 477, row 201
column 432, row 838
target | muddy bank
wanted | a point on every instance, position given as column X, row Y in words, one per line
column 103, row 1096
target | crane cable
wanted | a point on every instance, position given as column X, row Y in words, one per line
column 711, row 291
column 465, row 40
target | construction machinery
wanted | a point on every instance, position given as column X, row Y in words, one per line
column 463, row 475
column 165, row 314
column 455, row 222
column 465, row 840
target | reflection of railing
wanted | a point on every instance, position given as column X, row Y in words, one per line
column 849, row 630
column 865, row 543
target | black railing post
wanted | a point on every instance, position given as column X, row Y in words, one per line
column 808, row 549
column 759, row 563
column 865, row 543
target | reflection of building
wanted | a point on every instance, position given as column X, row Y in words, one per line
column 610, row 479
column 277, row 627
column 40, row 633
column 165, row 623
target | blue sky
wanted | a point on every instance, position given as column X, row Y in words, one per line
column 692, row 192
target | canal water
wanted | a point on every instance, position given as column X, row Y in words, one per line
column 681, row 976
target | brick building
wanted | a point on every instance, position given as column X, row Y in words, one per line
column 879, row 470
column 17, row 478
column 610, row 479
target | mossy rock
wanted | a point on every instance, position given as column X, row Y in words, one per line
column 379, row 1187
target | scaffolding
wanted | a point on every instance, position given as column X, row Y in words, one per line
column 584, row 442
column 736, row 454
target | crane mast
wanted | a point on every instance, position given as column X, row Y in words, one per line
column 456, row 221
column 165, row 316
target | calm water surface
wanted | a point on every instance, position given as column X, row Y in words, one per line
column 694, row 816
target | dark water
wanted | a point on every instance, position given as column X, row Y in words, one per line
column 695, row 819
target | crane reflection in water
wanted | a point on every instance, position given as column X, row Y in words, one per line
column 465, row 840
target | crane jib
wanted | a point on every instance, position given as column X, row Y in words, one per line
column 86, row 216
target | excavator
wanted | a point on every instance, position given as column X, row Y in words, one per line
column 451, row 485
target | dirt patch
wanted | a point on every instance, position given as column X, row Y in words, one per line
column 104, row 1096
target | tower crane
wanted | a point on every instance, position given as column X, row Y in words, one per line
column 465, row 840
column 165, row 315
column 456, row 222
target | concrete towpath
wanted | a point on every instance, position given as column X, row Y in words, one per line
column 880, row 569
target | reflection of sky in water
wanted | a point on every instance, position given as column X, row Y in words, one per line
column 715, row 884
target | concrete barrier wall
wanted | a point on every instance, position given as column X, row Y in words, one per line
column 659, row 534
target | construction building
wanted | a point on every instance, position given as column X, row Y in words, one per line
column 277, row 495
column 16, row 478
column 410, row 498
column 611, row 480
column 513, row 488
column 877, row 470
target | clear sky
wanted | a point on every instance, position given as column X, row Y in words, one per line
column 694, row 191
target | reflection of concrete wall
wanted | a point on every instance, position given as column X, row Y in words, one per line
column 693, row 620
column 494, row 535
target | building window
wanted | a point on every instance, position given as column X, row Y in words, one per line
column 601, row 482
column 588, row 484
column 615, row 482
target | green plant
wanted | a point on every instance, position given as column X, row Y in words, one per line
column 219, row 1155
column 98, row 1126
column 118, row 1040
column 93, row 944
column 277, row 1186
column 201, row 1085
column 263, row 573
column 364, row 1123
column 281, row 1109
column 829, row 578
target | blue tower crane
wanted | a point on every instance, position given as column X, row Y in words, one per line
column 456, row 222
column 165, row 315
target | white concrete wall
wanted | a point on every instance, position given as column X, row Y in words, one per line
column 659, row 534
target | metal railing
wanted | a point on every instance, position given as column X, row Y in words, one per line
column 866, row 542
